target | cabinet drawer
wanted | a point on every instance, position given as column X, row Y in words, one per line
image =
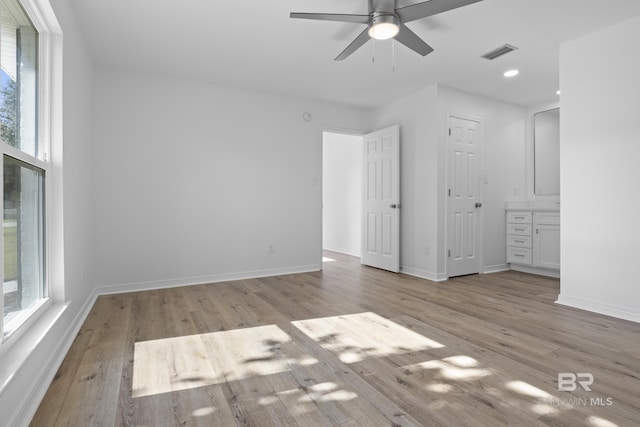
column 519, row 255
column 519, row 217
column 519, row 229
column 548, row 218
column 519, row 241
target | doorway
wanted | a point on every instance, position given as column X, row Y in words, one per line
column 361, row 196
column 342, row 193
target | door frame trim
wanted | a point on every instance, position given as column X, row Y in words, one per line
column 319, row 177
column 447, row 144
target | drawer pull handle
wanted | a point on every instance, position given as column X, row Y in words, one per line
column 519, row 229
column 519, row 241
column 518, row 217
column 519, row 255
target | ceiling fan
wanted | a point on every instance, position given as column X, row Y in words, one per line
column 384, row 22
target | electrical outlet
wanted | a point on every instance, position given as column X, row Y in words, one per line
column 427, row 250
column 272, row 248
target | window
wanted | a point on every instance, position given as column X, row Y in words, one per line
column 24, row 170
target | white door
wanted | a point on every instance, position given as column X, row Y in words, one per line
column 463, row 197
column 381, row 199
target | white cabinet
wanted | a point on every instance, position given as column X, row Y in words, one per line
column 546, row 240
column 533, row 240
column 519, row 237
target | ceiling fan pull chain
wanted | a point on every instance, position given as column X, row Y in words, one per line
column 393, row 55
column 373, row 50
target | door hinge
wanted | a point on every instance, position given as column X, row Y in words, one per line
column 449, row 192
column 449, row 131
column 449, row 253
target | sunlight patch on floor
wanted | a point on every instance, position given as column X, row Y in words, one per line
column 180, row 363
column 454, row 368
column 327, row 392
column 527, row 389
column 600, row 422
column 355, row 337
column 327, row 259
column 204, row 411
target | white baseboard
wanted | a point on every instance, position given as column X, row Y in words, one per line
column 343, row 251
column 434, row 277
column 488, row 269
column 201, row 280
column 536, row 270
column 625, row 313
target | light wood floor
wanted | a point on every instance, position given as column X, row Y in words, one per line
column 348, row 346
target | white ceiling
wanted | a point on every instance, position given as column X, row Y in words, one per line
column 254, row 44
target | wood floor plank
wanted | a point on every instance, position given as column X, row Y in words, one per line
column 95, row 368
column 346, row 346
column 516, row 387
column 202, row 406
column 298, row 401
column 58, row 391
column 148, row 322
column 93, row 396
column 324, row 367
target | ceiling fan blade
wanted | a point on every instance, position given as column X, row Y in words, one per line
column 412, row 41
column 359, row 41
column 430, row 8
column 358, row 19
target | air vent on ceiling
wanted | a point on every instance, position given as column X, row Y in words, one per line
column 502, row 50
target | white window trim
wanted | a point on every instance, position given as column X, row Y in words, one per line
column 49, row 159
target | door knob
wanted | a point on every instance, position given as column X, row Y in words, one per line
column 478, row 205
column 394, row 206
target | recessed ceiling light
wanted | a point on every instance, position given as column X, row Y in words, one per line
column 558, row 93
column 511, row 73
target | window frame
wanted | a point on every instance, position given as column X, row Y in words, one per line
column 38, row 11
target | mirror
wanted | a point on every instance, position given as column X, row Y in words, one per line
column 546, row 152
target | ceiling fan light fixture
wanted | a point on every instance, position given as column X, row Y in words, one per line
column 384, row 27
column 387, row 21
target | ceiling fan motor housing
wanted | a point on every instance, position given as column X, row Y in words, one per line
column 382, row 6
column 383, row 18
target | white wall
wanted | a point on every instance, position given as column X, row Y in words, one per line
column 600, row 124
column 31, row 362
column 196, row 182
column 78, row 161
column 342, row 193
column 417, row 116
